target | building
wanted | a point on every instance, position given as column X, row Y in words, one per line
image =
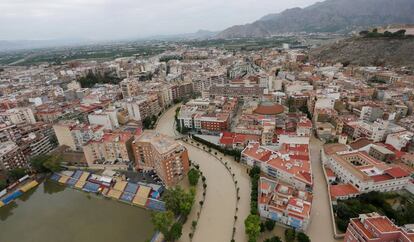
column 373, row 227
column 400, row 140
column 129, row 88
column 169, row 158
column 74, row 135
column 284, row 204
column 111, row 148
column 289, row 164
column 143, row 106
column 236, row 90
column 363, row 171
column 213, row 123
column 11, row 157
column 108, row 118
column 18, row 116
column 371, row 113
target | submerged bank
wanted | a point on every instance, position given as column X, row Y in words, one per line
column 51, row 212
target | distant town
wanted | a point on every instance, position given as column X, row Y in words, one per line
column 211, row 142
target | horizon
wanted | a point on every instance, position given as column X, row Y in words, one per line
column 99, row 20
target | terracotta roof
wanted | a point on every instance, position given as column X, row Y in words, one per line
column 359, row 143
column 397, row 172
column 269, row 109
column 341, row 190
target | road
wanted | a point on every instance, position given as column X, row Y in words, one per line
column 217, row 216
column 216, row 220
column 320, row 228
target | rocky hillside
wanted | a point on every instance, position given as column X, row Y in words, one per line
column 395, row 52
column 328, row 16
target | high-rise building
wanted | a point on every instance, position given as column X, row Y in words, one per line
column 169, row 158
column 11, row 156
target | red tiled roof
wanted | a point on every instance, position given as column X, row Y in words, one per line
column 397, row 172
column 341, row 190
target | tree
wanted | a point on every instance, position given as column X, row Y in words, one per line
column 175, row 232
column 274, row 239
column 17, row 173
column 3, row 184
column 193, row 176
column 162, row 221
column 179, row 201
column 252, row 227
column 270, row 224
column 46, row 163
column 147, row 122
column 302, row 237
column 290, row 235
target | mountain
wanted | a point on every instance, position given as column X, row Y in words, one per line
column 340, row 16
column 394, row 52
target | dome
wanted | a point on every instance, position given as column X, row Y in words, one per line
column 269, row 109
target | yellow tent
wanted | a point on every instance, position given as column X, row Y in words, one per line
column 1, row 204
column 142, row 196
column 84, row 176
column 80, row 184
column 64, row 179
column 120, row 185
column 29, row 186
column 114, row 193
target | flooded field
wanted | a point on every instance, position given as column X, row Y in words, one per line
column 53, row 213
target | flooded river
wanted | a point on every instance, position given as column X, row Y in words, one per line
column 53, row 213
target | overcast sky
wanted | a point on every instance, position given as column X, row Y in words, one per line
column 118, row 19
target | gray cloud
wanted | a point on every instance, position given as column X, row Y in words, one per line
column 117, row 19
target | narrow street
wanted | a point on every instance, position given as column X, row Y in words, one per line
column 217, row 216
column 216, row 220
column 320, row 228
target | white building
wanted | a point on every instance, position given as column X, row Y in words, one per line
column 363, row 171
column 22, row 115
column 399, row 140
column 108, row 118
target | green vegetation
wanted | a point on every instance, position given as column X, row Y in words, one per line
column 149, row 122
column 254, row 178
column 235, row 153
column 376, row 79
column 163, row 221
column 302, row 237
column 374, row 34
column 175, row 232
column 46, row 163
column 375, row 202
column 252, row 227
column 3, row 184
column 270, row 224
column 193, row 176
column 17, row 173
column 290, row 235
column 97, row 78
column 167, row 58
column 179, row 201
column 244, row 44
column 273, row 239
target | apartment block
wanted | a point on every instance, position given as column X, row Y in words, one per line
column 110, row 149
column 289, row 164
column 284, row 204
column 11, row 157
column 373, row 227
column 169, row 158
